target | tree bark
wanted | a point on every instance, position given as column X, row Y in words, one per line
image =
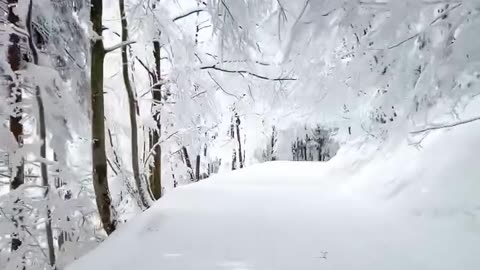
column 240, row 157
column 234, row 160
column 156, row 170
column 63, row 236
column 197, row 168
column 144, row 195
column 188, row 162
column 99, row 157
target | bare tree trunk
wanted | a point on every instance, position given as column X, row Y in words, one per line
column 63, row 235
column 232, row 135
column 144, row 194
column 240, row 156
column 44, row 174
column 234, row 160
column 14, row 57
column 187, row 162
column 99, row 157
column 43, row 147
column 197, row 168
column 156, row 170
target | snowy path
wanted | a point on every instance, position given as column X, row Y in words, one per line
column 395, row 209
column 285, row 215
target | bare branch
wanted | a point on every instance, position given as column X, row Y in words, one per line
column 145, row 67
column 228, row 11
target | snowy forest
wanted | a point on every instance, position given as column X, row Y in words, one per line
column 239, row 134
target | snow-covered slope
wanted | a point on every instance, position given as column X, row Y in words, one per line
column 408, row 209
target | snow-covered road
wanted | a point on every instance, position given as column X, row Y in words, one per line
column 407, row 209
column 285, row 215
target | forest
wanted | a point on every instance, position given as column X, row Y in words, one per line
column 195, row 134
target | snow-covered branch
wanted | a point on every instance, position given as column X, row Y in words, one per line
column 446, row 125
column 194, row 11
column 249, row 73
column 384, row 3
column 437, row 18
column 119, row 46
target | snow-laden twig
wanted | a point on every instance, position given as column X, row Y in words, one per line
column 152, row 149
column 373, row 3
column 438, row 17
column 119, row 45
column 220, row 86
column 198, row 10
column 446, row 125
column 293, row 33
column 249, row 73
column 25, row 228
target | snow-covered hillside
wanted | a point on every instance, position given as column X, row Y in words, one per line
column 366, row 209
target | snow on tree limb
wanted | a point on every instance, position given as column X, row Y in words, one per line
column 446, row 125
column 119, row 46
column 194, row 11
column 249, row 73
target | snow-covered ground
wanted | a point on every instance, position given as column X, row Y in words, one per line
column 398, row 208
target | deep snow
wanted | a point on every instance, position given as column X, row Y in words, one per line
column 398, row 208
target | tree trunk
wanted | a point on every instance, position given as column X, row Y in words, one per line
column 43, row 138
column 63, row 236
column 144, row 195
column 197, row 168
column 156, row 170
column 44, row 175
column 99, row 158
column 240, row 156
column 187, row 162
column 14, row 57
column 234, row 160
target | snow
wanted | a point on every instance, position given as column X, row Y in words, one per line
column 400, row 207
